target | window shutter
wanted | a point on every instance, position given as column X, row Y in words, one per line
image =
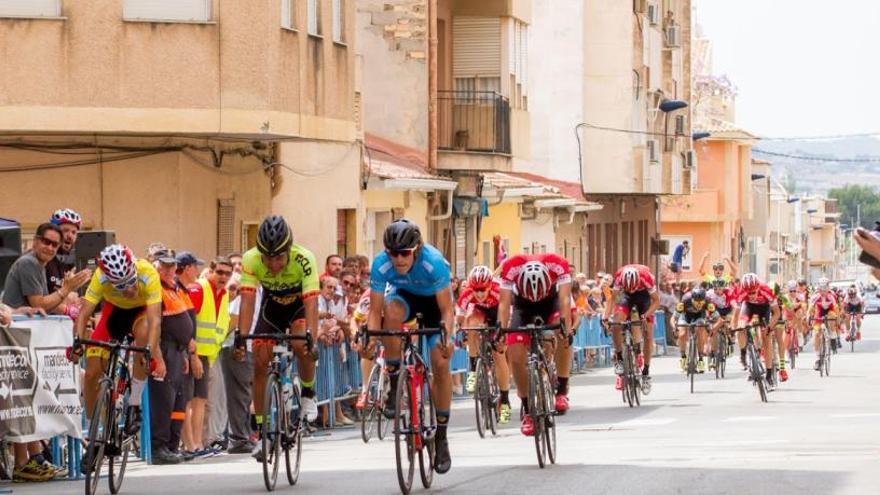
column 476, row 46
column 286, row 11
column 167, row 10
column 337, row 20
column 30, row 8
column 314, row 17
column 225, row 226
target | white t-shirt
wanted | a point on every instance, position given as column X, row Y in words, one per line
column 339, row 309
column 234, row 310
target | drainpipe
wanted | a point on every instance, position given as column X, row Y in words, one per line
column 432, row 85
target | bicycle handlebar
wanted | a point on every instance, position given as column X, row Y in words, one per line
column 531, row 328
column 388, row 332
column 111, row 345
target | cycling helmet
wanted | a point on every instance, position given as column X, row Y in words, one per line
column 117, row 263
column 802, row 281
column 851, row 291
column 533, row 282
column 402, row 234
column 480, row 276
column 792, row 285
column 630, row 279
column 274, row 236
column 698, row 294
column 66, row 216
column 718, row 266
column 824, row 283
column 750, row 281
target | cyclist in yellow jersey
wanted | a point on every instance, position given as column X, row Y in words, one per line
column 289, row 277
column 132, row 295
column 717, row 278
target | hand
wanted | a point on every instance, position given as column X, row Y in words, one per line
column 239, row 354
column 868, row 242
column 198, row 370
column 29, row 311
column 73, row 280
column 186, row 366
column 159, row 370
column 5, row 315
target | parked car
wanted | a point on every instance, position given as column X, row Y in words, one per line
column 872, row 303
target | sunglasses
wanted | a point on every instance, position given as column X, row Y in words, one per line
column 481, row 289
column 49, row 242
column 400, row 253
column 223, row 273
column 125, row 285
column 347, row 283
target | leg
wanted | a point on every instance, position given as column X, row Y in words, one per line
column 518, row 356
column 178, row 415
column 648, row 347
column 198, row 406
column 262, row 354
column 237, row 379
column 215, row 425
column 94, row 370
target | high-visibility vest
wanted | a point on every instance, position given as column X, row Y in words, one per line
column 211, row 325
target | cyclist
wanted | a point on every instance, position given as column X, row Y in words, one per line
column 132, row 295
column 289, row 277
column 824, row 303
column 717, row 276
column 418, row 282
column 478, row 307
column 853, row 305
column 635, row 289
column 695, row 308
column 536, row 286
column 756, row 299
column 803, row 298
column 724, row 299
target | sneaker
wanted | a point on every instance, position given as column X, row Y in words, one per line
column 343, row 420
column 783, row 375
column 618, row 368
column 133, row 421
column 640, row 360
column 646, row 384
column 241, row 448
column 618, row 383
column 561, row 403
column 527, row 427
column 32, row 471
column 361, row 401
column 742, row 361
column 471, row 383
column 504, row 415
column 701, row 365
column 258, row 453
column 309, row 408
column 442, row 460
column 816, row 365
column 57, row 471
column 163, row 456
column 683, row 363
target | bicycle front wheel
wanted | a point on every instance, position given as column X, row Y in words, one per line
column 491, row 403
column 116, row 464
column 549, row 419
column 293, row 437
column 537, row 409
column 273, row 420
column 404, row 444
column 428, row 430
column 479, row 399
column 369, row 413
column 100, row 436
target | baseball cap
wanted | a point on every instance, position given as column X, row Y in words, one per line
column 186, row 258
column 154, row 248
column 165, row 256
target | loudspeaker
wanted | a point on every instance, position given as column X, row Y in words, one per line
column 89, row 245
column 10, row 247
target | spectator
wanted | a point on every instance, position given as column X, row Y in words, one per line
column 237, row 377
column 26, row 286
column 64, row 260
column 351, row 289
column 153, row 248
column 678, row 256
column 363, row 267
column 235, row 259
column 332, row 266
column 188, row 267
column 595, row 300
column 333, row 315
column 351, row 263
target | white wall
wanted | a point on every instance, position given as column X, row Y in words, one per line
column 539, row 231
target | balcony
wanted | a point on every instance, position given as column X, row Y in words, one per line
column 474, row 130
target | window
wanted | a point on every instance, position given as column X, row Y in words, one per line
column 314, row 17
column 338, row 20
column 30, row 8
column 225, row 226
column 288, row 14
column 167, row 10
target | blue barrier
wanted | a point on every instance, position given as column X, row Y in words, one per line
column 660, row 332
column 589, row 340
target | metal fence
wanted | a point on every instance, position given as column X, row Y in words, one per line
column 473, row 121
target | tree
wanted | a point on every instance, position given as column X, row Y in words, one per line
column 848, row 197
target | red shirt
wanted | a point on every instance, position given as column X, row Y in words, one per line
column 468, row 298
column 646, row 278
column 560, row 272
column 762, row 294
column 824, row 301
column 197, row 297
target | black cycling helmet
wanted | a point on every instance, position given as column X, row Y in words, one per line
column 698, row 294
column 274, row 236
column 402, row 234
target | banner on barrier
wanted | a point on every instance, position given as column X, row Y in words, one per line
column 39, row 387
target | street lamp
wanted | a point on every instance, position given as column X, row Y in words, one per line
column 700, row 135
column 667, row 107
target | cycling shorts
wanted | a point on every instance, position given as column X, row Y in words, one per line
column 278, row 318
column 748, row 310
column 686, row 318
column 489, row 314
column 853, row 308
column 639, row 300
column 724, row 312
column 114, row 324
column 414, row 304
column 526, row 312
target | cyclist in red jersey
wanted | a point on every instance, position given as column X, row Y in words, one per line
column 823, row 304
column 634, row 288
column 757, row 299
column 533, row 287
column 478, row 307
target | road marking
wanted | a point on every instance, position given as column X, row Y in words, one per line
column 647, row 422
column 856, row 415
column 738, row 419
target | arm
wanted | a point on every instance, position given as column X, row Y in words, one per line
column 311, row 307
column 246, row 311
column 564, row 295
column 609, row 305
column 85, row 313
column 504, row 307
column 447, row 312
column 377, row 302
column 703, row 261
column 732, row 266
column 655, row 302
column 154, row 319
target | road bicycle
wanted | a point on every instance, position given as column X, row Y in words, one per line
column 755, row 367
column 632, row 376
column 283, row 421
column 373, row 418
column 542, row 386
column 825, row 346
column 109, row 436
column 691, row 352
column 486, row 391
column 415, row 417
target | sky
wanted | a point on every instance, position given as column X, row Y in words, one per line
column 802, row 67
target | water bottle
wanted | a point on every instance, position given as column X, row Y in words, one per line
column 287, row 391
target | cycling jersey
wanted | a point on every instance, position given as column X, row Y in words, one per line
column 149, row 289
column 298, row 280
column 560, row 271
column 362, row 309
column 687, row 306
column 760, row 295
column 468, row 298
column 854, row 302
column 825, row 301
column 646, row 278
column 428, row 275
column 723, row 280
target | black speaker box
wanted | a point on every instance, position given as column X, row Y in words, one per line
column 89, row 245
column 10, row 247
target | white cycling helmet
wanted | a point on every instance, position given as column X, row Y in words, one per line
column 630, row 279
column 824, row 283
column 792, row 285
column 480, row 276
column 750, row 281
column 534, row 281
column 66, row 216
column 117, row 263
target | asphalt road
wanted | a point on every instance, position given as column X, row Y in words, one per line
column 816, row 435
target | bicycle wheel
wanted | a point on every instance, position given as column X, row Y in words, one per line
column 116, row 464
column 492, row 396
column 404, row 448
column 692, row 360
column 273, row 420
column 368, row 417
column 479, row 399
column 428, row 429
column 293, row 437
column 852, row 337
column 628, row 381
column 381, row 393
column 549, row 418
column 537, row 411
column 100, row 435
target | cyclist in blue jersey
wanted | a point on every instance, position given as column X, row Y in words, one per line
column 407, row 279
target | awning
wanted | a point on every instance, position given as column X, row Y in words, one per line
column 396, row 167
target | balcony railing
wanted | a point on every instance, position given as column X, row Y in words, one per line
column 476, row 121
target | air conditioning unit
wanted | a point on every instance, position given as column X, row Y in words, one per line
column 653, row 14
column 679, row 125
column 672, row 36
column 640, row 6
column 653, row 148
